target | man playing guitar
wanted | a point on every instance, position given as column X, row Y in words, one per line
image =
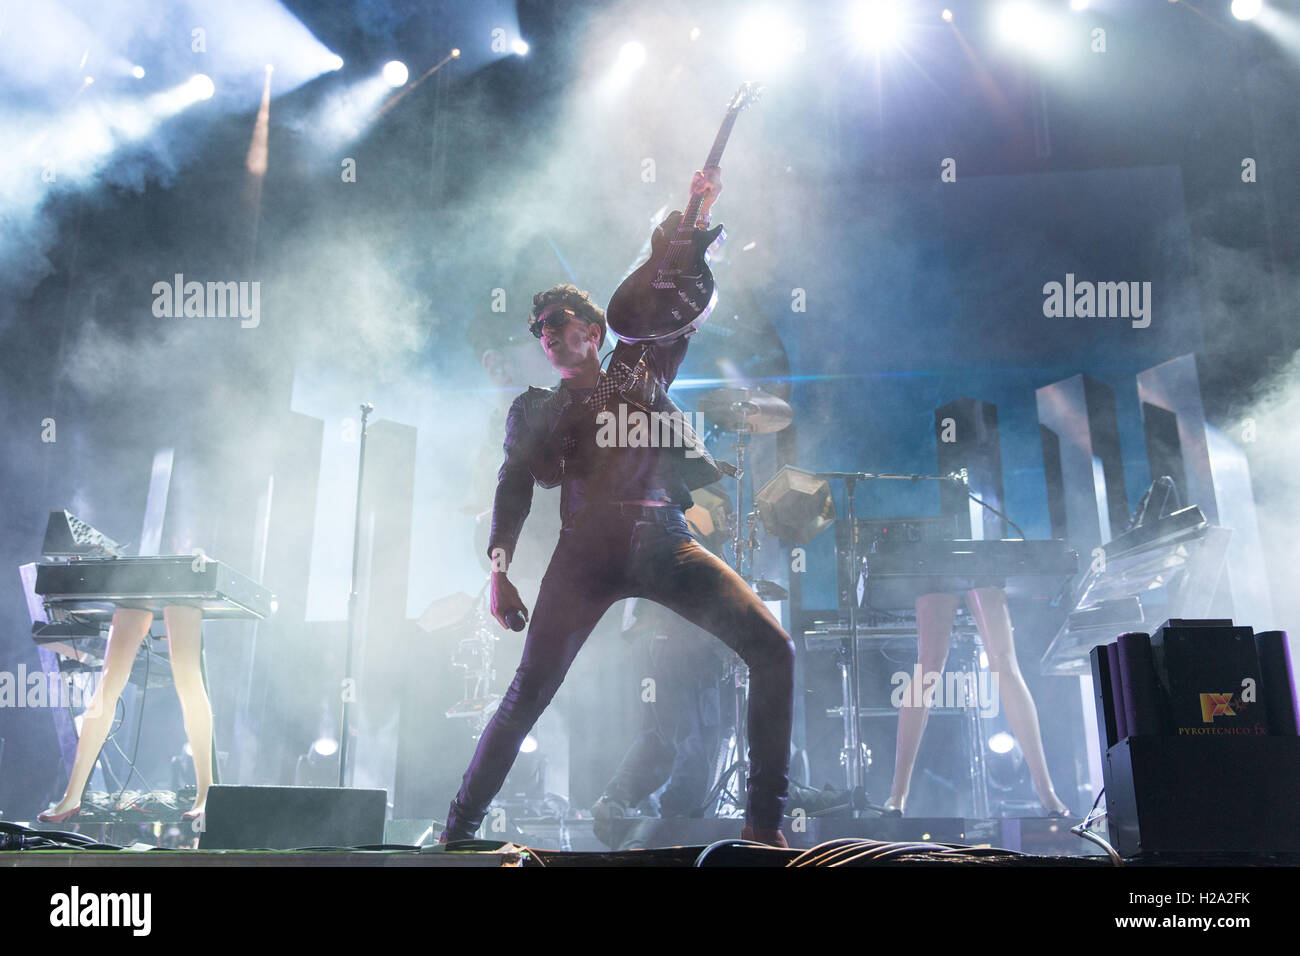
column 623, row 535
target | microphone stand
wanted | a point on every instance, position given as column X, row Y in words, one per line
column 345, row 725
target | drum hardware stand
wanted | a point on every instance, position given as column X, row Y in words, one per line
column 474, row 655
column 734, row 756
column 975, row 733
column 744, row 412
column 345, row 725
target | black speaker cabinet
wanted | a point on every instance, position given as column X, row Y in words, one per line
column 1203, row 795
column 288, row 818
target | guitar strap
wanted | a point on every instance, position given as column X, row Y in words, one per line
column 633, row 384
column 619, row 380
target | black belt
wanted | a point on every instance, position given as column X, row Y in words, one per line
column 626, row 509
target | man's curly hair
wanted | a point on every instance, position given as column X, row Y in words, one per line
column 574, row 298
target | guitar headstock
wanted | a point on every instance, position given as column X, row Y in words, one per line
column 747, row 95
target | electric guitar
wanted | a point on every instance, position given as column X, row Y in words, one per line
column 673, row 292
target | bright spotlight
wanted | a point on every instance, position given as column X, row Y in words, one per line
column 947, row 15
column 1002, row 742
column 201, row 86
column 455, row 52
column 529, row 745
column 1021, row 24
column 631, row 56
column 764, row 40
column 1246, row 9
column 876, row 23
column 396, row 73
column 137, row 72
column 334, row 62
column 325, row 746
column 519, row 47
column 1079, row 4
column 88, row 80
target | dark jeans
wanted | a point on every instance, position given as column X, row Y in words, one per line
column 609, row 553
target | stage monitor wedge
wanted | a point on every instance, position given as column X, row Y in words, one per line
column 289, row 818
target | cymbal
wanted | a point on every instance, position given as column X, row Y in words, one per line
column 749, row 410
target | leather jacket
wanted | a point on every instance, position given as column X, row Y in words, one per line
column 539, row 419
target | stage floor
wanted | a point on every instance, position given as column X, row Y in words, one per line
column 644, row 842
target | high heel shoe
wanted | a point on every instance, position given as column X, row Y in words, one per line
column 46, row 817
column 192, row 814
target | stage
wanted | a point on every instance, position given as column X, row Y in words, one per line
column 587, row 431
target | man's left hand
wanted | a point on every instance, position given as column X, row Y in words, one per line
column 707, row 183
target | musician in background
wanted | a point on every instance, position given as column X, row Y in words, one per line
column 681, row 722
column 624, row 535
column 934, row 619
column 129, row 629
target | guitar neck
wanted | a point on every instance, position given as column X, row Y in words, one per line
column 714, row 157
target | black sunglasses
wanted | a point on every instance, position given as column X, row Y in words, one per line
column 556, row 320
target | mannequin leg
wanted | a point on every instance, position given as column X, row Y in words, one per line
column 989, row 608
column 124, row 636
column 185, row 639
column 934, row 617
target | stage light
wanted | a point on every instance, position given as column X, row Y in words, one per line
column 947, row 15
column 1002, row 742
column 455, row 52
column 325, row 746
column 396, row 73
column 876, row 23
column 631, row 56
column 695, row 34
column 763, row 40
column 1246, row 9
column 201, row 86
column 334, row 62
column 1022, row 24
column 88, row 80
column 520, row 47
column 137, row 72
column 529, row 745
column 1079, row 4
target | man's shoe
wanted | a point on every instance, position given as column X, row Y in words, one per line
column 446, row 836
column 759, row 835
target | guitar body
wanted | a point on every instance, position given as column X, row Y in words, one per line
column 672, row 292
column 662, row 300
